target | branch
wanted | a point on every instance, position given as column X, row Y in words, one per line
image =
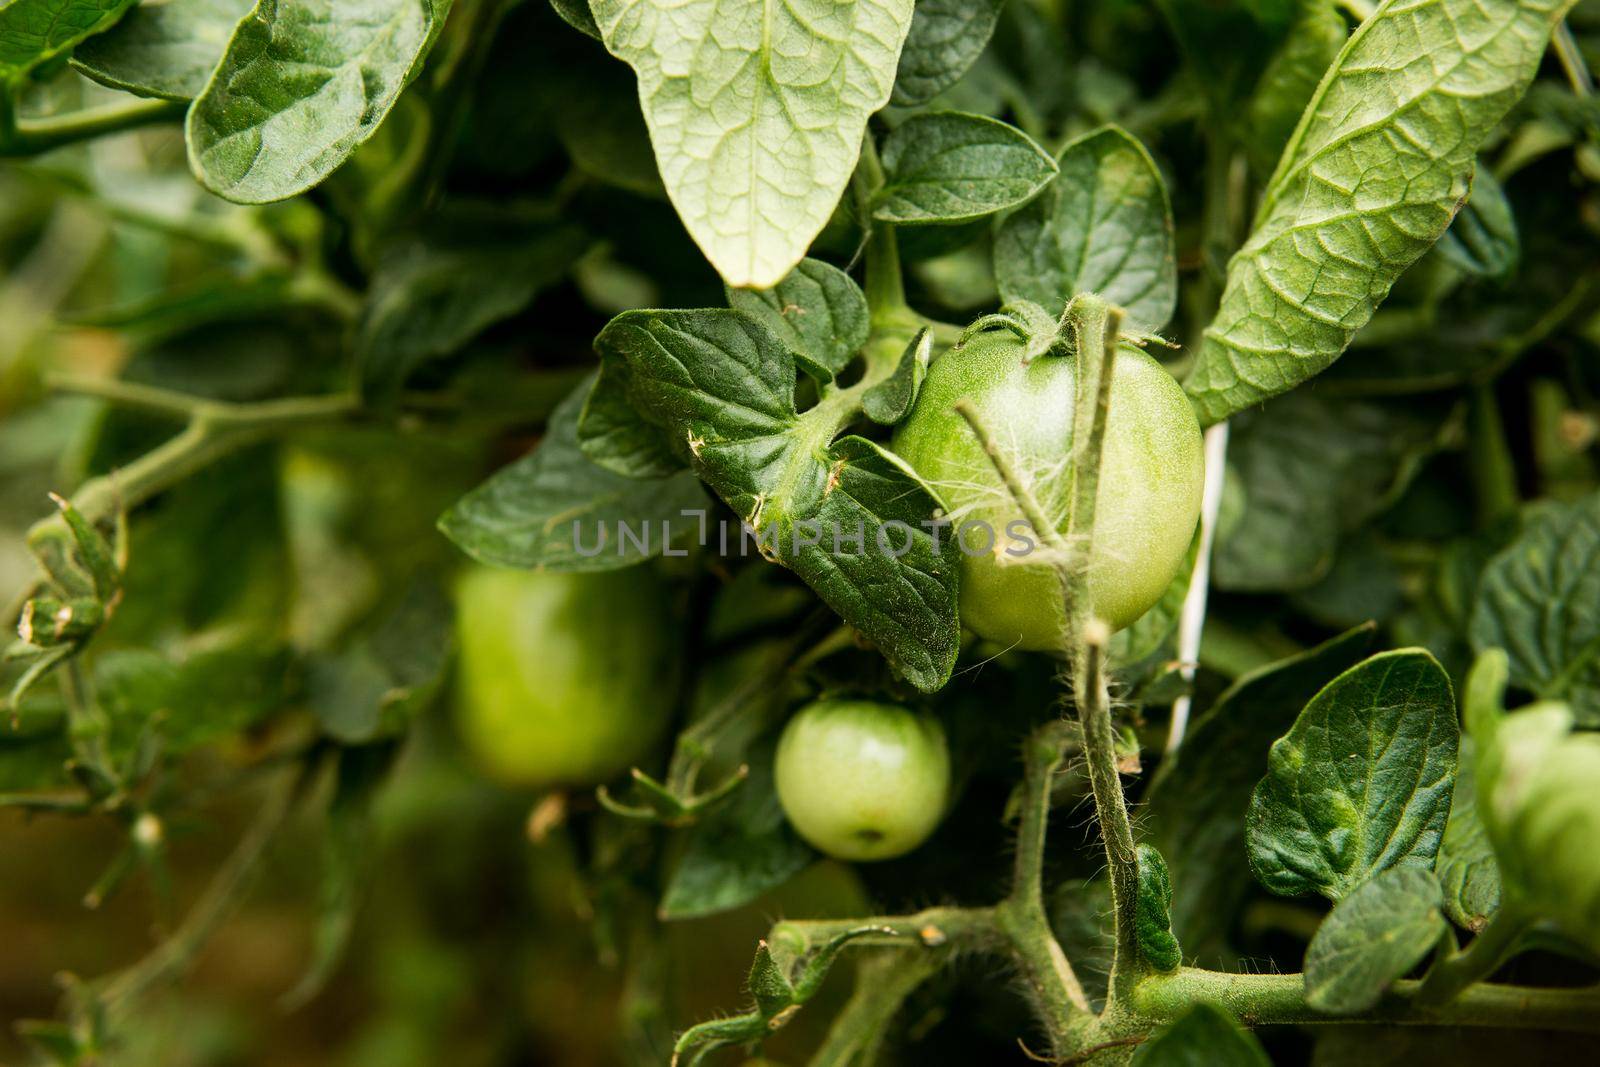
column 30, row 138
column 1492, row 947
column 1274, row 999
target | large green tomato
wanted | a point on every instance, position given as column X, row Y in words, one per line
column 1150, row 482
column 565, row 679
column 862, row 780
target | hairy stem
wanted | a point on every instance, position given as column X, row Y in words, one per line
column 1489, row 950
column 882, row 984
column 1273, row 999
column 31, row 137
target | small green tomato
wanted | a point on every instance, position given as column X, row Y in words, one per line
column 565, row 679
column 862, row 780
column 1150, row 482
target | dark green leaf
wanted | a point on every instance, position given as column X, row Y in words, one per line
column 162, row 48
column 1104, row 226
column 614, row 435
column 1361, row 782
column 33, row 32
column 723, row 386
column 817, row 310
column 555, row 510
column 891, row 399
column 1539, row 599
column 1467, row 869
column 431, row 294
column 191, row 700
column 1197, row 802
column 1153, row 920
column 1291, row 76
column 1483, row 238
column 1373, row 937
column 576, row 13
column 1309, row 468
column 946, row 38
column 256, row 134
column 738, row 852
column 1206, row 1037
column 1346, row 212
column 951, row 167
column 389, row 674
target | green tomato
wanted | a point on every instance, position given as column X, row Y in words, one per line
column 1150, row 483
column 564, row 679
column 861, row 780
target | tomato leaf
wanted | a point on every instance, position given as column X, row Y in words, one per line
column 1305, row 470
column 1104, row 226
column 552, row 508
column 1205, row 1036
column 1197, row 801
column 1384, row 928
column 946, row 38
column 722, row 385
column 756, row 112
column 1348, row 210
column 1539, row 599
column 433, row 292
column 1153, row 917
column 952, row 167
column 1361, row 782
column 737, row 852
column 34, row 32
column 256, row 135
column 818, row 311
column 163, row 50
column 1482, row 239
column 615, row 436
column 1290, row 78
column 1467, row 868
column 891, row 400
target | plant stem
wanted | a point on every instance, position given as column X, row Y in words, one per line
column 1497, row 942
column 1273, row 999
column 885, row 286
column 173, row 956
column 30, row 138
column 1494, row 474
column 1571, row 58
column 882, row 984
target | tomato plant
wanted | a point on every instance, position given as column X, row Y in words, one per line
column 644, row 532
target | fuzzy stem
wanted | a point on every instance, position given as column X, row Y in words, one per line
column 1498, row 941
column 882, row 984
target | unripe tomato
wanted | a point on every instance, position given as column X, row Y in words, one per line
column 862, row 780
column 1150, row 482
column 564, row 679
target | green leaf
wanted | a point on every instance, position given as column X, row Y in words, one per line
column 722, row 385
column 162, row 49
column 191, row 700
column 348, row 856
column 1104, row 226
column 302, row 84
column 946, row 38
column 1539, row 599
column 1373, row 937
column 33, row 32
column 1482, row 240
column 1290, row 78
column 892, row 399
column 1309, row 468
column 737, row 852
column 818, row 311
column 756, row 112
column 389, row 674
column 1377, row 168
column 1197, row 801
column 614, row 435
column 951, row 167
column 1153, row 916
column 1361, row 782
column 432, row 293
column 1205, row 1037
column 576, row 13
column 556, row 510
column 1467, row 869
